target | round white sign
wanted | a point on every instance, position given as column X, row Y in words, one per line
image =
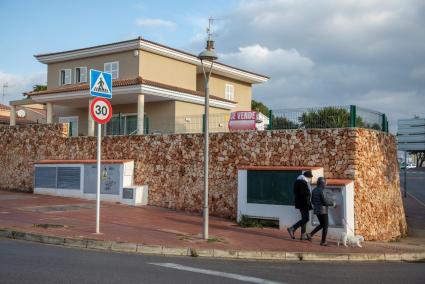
column 101, row 110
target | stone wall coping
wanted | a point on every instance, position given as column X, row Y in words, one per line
column 278, row 168
column 82, row 161
column 333, row 181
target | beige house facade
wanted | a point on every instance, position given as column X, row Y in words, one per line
column 156, row 89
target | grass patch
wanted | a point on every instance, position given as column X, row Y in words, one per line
column 215, row 239
column 247, row 222
column 49, row 226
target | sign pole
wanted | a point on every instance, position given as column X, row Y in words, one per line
column 405, row 174
column 99, row 138
column 101, row 112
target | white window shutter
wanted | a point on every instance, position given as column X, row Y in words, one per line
column 67, row 76
column 232, row 93
column 83, row 74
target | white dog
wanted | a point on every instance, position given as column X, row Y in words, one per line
column 350, row 240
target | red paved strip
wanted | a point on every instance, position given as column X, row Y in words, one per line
column 153, row 226
column 332, row 181
column 82, row 161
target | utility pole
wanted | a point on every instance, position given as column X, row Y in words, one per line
column 5, row 86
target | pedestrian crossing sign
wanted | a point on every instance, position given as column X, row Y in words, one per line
column 100, row 84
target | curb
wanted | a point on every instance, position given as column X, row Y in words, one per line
column 212, row 253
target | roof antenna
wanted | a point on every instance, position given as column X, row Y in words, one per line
column 5, row 86
column 210, row 42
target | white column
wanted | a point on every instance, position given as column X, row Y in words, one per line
column 12, row 115
column 49, row 118
column 90, row 121
column 140, row 113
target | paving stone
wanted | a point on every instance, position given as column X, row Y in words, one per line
column 250, row 254
column 273, row 255
column 293, row 256
column 4, row 233
column 101, row 245
column 324, row 257
column 201, row 252
column 54, row 240
column 393, row 257
column 225, row 253
column 147, row 249
column 79, row 243
column 366, row 257
column 175, row 251
column 124, row 247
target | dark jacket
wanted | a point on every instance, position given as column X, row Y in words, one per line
column 320, row 202
column 302, row 195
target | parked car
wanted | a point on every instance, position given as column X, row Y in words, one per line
column 409, row 166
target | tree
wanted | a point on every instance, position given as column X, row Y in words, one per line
column 280, row 122
column 37, row 88
column 331, row 117
column 328, row 117
column 259, row 106
column 420, row 158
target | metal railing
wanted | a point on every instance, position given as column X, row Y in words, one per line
column 297, row 118
column 328, row 117
column 189, row 124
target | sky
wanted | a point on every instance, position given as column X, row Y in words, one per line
column 369, row 53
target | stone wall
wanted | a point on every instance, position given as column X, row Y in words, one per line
column 378, row 204
column 172, row 165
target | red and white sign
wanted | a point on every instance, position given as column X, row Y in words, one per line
column 242, row 120
column 101, row 110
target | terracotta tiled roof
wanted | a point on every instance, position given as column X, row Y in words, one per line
column 148, row 41
column 4, row 107
column 123, row 83
column 19, row 120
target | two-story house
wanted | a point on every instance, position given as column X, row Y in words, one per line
column 155, row 88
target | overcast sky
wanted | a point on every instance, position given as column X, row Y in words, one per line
column 335, row 52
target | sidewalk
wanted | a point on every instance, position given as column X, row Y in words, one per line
column 155, row 226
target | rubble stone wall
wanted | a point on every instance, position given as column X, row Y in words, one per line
column 172, row 165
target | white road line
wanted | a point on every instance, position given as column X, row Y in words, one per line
column 217, row 273
column 415, row 198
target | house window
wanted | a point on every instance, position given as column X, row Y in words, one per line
column 81, row 75
column 113, row 68
column 65, row 77
column 125, row 124
column 230, row 92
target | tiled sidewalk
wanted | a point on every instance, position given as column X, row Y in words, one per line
column 158, row 226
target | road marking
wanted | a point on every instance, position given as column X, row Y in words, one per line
column 417, row 199
column 217, row 273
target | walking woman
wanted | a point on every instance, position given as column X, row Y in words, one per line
column 320, row 208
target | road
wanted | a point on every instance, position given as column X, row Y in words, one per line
column 415, row 183
column 25, row 262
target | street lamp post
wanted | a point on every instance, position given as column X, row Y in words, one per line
column 208, row 55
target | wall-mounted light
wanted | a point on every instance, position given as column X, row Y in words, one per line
column 136, row 52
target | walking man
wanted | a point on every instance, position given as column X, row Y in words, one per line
column 302, row 193
column 320, row 205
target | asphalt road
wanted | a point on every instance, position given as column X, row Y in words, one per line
column 25, row 262
column 415, row 183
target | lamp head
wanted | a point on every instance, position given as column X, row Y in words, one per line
column 208, row 53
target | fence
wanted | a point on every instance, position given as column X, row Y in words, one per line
column 319, row 117
column 127, row 124
column 327, row 117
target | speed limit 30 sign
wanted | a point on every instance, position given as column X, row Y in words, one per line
column 101, row 110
